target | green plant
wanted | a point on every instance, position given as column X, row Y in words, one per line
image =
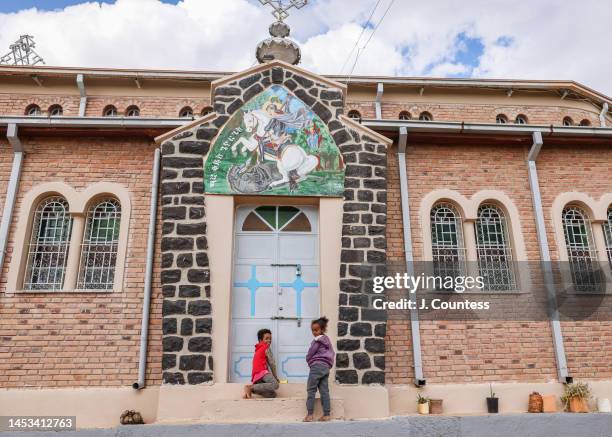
column 422, row 399
column 491, row 390
column 575, row 390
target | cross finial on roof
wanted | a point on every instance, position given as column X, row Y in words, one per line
column 282, row 6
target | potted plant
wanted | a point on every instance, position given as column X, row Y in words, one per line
column 575, row 397
column 492, row 401
column 422, row 404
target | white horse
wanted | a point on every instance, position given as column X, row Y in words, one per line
column 292, row 157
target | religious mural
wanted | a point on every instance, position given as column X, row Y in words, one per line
column 275, row 145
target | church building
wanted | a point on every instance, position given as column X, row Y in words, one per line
column 153, row 221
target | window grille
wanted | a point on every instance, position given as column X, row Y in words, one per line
column 48, row 248
column 186, row 112
column 405, row 115
column 447, row 244
column 582, row 256
column 132, row 111
column 501, row 119
column 608, row 235
column 567, row 121
column 493, row 248
column 56, row 111
column 110, row 111
column 521, row 119
column 207, row 110
column 99, row 247
column 33, row 111
column 425, row 116
column 355, row 115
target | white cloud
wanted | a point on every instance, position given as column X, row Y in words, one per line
column 549, row 39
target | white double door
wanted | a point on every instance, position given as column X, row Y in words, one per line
column 275, row 285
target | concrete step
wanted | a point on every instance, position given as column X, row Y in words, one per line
column 259, row 410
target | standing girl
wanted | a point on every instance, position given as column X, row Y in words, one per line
column 320, row 358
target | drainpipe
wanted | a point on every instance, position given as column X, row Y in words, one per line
column 553, row 312
column 602, row 114
column 419, row 380
column 11, row 191
column 83, row 102
column 379, row 93
column 146, row 304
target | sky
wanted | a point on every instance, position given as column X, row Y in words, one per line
column 536, row 39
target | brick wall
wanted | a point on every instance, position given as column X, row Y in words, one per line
column 471, row 351
column 588, row 170
column 66, row 339
column 167, row 107
column 476, row 112
column 6, row 161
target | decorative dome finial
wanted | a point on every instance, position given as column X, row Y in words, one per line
column 278, row 46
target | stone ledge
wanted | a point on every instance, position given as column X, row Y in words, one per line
column 261, row 410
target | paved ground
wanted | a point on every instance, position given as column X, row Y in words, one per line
column 523, row 425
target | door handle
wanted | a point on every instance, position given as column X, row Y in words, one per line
column 298, row 267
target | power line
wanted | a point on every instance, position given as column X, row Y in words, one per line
column 363, row 29
column 360, row 51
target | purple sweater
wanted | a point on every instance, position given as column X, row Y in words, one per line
column 321, row 351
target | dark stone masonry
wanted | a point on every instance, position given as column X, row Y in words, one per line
column 185, row 276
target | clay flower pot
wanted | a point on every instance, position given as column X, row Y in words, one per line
column 578, row 405
column 423, row 408
column 435, row 406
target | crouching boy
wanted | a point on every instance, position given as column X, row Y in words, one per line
column 264, row 381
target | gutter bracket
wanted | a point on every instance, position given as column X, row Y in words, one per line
column 83, row 102
column 12, row 135
column 553, row 313
column 419, row 379
column 379, row 92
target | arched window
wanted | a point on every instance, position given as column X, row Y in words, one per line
column 581, row 252
column 110, row 111
column 448, row 248
column 33, row 111
column 501, row 119
column 608, row 235
column 404, row 115
column 521, row 119
column 493, row 249
column 100, row 245
column 585, row 122
column 56, row 111
column 48, row 248
column 354, row 115
column 207, row 110
column 186, row 112
column 276, row 218
column 132, row 111
column 567, row 121
column 425, row 116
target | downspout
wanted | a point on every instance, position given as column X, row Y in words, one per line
column 11, row 191
column 377, row 105
column 146, row 304
column 419, row 379
column 553, row 312
column 602, row 114
column 83, row 102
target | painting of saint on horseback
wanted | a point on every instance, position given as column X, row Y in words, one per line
column 275, row 145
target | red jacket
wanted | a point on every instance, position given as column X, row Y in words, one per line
column 260, row 364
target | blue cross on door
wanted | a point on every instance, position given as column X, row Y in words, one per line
column 253, row 284
column 298, row 285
